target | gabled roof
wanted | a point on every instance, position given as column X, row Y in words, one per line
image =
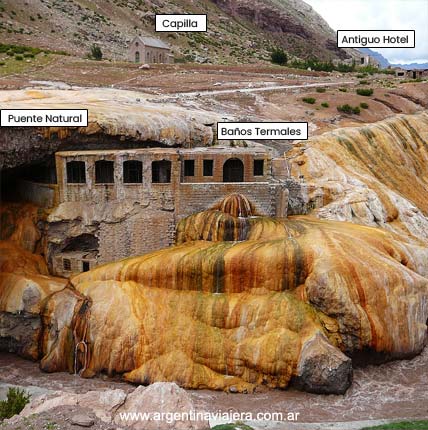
column 151, row 41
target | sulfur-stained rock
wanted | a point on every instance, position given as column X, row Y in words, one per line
column 283, row 300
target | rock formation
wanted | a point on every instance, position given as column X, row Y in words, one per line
column 115, row 117
column 376, row 175
column 258, row 301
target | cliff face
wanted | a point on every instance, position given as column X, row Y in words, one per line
column 375, row 175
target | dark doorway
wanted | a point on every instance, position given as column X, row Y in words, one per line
column 414, row 75
column 258, row 168
column 132, row 172
column 189, row 167
column 76, row 172
column 85, row 266
column 161, row 172
column 208, row 167
column 233, row 170
column 104, row 172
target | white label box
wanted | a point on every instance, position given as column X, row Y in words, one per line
column 44, row 117
column 181, row 23
column 262, row 130
column 376, row 38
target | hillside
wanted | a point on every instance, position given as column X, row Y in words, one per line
column 239, row 31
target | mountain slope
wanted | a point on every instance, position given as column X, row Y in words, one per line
column 239, row 31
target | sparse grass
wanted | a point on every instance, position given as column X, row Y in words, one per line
column 11, row 65
column 325, row 104
column 309, row 100
column 14, row 404
column 364, row 82
column 402, row 425
column 367, row 92
column 343, row 90
column 320, row 90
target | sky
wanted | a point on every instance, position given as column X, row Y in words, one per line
column 381, row 15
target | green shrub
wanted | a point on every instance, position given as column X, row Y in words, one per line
column 10, row 53
column 2, row 63
column 278, row 56
column 28, row 55
column 19, row 57
column 345, row 108
column 96, row 53
column 309, row 100
column 356, row 110
column 364, row 82
column 361, row 75
column 364, row 91
column 320, row 90
column 344, row 90
column 325, row 104
column 364, row 105
column 14, row 404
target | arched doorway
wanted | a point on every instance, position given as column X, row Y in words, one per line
column 137, row 57
column 233, row 170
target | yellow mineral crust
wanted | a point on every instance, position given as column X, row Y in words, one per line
column 204, row 312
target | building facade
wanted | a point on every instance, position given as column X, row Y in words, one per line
column 112, row 204
column 148, row 50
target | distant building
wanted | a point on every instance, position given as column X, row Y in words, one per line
column 144, row 49
column 411, row 74
column 367, row 60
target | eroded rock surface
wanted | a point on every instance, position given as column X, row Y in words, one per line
column 265, row 307
column 375, row 175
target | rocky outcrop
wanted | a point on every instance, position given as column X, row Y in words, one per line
column 162, row 405
column 115, row 118
column 280, row 301
column 375, row 175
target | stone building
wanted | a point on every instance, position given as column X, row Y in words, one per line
column 149, row 50
column 112, row 204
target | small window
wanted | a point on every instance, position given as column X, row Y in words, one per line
column 189, row 167
column 76, row 172
column 161, row 172
column 136, row 43
column 208, row 167
column 259, row 167
column 132, row 172
column 104, row 172
column 85, row 266
column 66, row 264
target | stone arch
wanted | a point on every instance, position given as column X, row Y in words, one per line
column 233, row 170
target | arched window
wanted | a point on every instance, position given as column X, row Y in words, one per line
column 161, row 172
column 137, row 57
column 233, row 170
column 104, row 172
column 136, row 43
column 76, row 172
column 132, row 172
column 160, row 58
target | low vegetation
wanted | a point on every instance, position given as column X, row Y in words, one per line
column 278, row 56
column 325, row 104
column 346, row 108
column 320, row 90
column 309, row 100
column 364, row 105
column 12, row 50
column 343, row 90
column 14, row 403
column 364, row 91
column 96, row 53
column 403, row 425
